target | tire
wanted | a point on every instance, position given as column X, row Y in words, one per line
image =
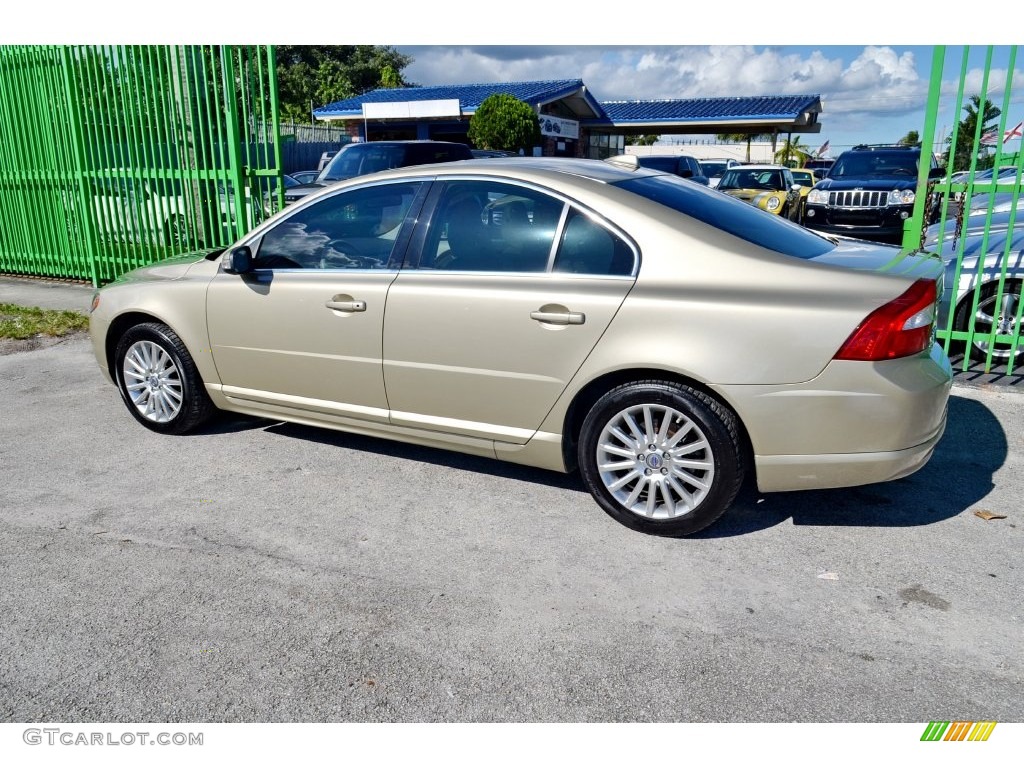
column 158, row 380
column 983, row 320
column 642, row 488
column 176, row 232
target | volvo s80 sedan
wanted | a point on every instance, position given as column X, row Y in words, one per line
column 665, row 340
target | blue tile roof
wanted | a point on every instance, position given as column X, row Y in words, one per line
column 703, row 110
column 469, row 96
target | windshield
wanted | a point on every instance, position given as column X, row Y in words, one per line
column 359, row 159
column 712, row 167
column 864, row 165
column 740, row 219
column 803, row 178
column 751, row 178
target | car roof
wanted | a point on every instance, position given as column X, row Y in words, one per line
column 596, row 170
column 762, row 167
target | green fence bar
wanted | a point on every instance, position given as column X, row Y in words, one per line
column 974, row 231
column 117, row 156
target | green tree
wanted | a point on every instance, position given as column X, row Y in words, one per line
column 739, row 138
column 968, row 128
column 316, row 75
column 644, row 140
column 793, row 150
column 912, row 139
column 504, row 122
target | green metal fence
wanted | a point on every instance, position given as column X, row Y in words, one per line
column 113, row 157
column 973, row 215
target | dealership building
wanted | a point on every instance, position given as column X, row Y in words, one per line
column 573, row 122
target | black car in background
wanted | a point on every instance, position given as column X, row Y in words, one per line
column 369, row 157
column 681, row 165
column 869, row 192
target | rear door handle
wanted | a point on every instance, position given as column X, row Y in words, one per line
column 559, row 318
column 347, row 306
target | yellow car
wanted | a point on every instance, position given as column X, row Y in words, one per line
column 771, row 188
column 806, row 178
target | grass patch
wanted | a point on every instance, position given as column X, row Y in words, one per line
column 18, row 322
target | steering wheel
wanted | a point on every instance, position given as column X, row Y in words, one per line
column 344, row 246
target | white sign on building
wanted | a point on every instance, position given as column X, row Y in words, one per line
column 559, row 126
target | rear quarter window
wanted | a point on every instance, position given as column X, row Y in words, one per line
column 734, row 216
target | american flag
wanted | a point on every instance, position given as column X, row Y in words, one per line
column 991, row 138
column 822, row 149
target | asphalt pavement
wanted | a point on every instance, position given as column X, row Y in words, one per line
column 265, row 572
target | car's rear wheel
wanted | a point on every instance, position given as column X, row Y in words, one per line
column 158, row 380
column 660, row 457
column 1001, row 314
column 176, row 231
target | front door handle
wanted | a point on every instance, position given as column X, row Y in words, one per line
column 559, row 318
column 352, row 305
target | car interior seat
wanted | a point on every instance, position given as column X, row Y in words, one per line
column 467, row 235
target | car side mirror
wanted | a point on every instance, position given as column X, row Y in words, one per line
column 936, row 173
column 686, row 173
column 237, row 261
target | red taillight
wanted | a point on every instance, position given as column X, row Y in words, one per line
column 900, row 328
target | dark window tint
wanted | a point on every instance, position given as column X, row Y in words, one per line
column 421, row 154
column 351, row 230
column 730, row 215
column 587, row 248
column 484, row 226
column 360, row 159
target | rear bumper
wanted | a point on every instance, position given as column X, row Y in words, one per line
column 855, row 423
column 842, row 470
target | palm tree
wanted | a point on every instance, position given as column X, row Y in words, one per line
column 792, row 149
column 736, row 138
column 912, row 139
column 965, row 133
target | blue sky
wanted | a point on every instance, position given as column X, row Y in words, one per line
column 871, row 93
column 873, row 89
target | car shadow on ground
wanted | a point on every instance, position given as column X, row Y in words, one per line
column 423, row 454
column 957, row 476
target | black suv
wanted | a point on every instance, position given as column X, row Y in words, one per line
column 369, row 157
column 869, row 193
column 681, row 165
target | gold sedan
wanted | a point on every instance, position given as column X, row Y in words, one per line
column 664, row 339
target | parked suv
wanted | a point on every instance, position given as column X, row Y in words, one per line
column 869, row 193
column 714, row 167
column 372, row 156
column 681, row 165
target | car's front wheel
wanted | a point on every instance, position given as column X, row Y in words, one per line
column 158, row 380
column 660, row 457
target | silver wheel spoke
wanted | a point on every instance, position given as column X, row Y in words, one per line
column 633, row 427
column 617, row 450
column 679, row 436
column 652, row 498
column 649, row 425
column 623, row 480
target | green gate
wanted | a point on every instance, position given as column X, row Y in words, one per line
column 113, row 157
column 973, row 213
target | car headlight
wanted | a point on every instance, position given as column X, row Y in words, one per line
column 773, row 203
column 817, row 197
column 901, row 197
